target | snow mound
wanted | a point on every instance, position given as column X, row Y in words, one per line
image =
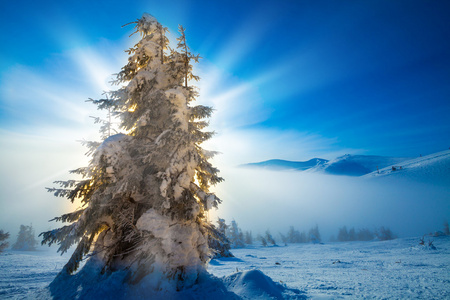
column 254, row 284
column 251, row 284
column 433, row 168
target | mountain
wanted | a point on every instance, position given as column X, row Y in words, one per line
column 349, row 165
column 279, row 164
column 433, row 168
column 358, row 165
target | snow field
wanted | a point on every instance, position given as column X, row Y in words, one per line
column 396, row 269
column 22, row 272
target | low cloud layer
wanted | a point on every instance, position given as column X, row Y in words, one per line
column 261, row 199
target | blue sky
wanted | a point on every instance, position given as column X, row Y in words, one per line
column 288, row 79
column 366, row 76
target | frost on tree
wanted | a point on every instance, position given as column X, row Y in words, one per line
column 235, row 235
column 218, row 241
column 145, row 192
column 3, row 237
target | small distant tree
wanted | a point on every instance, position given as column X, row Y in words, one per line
column 222, row 226
column 248, row 238
column 292, row 235
column 235, row 235
column 218, row 242
column 25, row 239
column 295, row 236
column 303, row 238
column 352, row 234
column 269, row 238
column 262, row 240
column 241, row 237
column 446, row 228
column 385, row 234
column 314, row 235
column 365, row 235
column 284, row 238
column 343, row 234
column 3, row 236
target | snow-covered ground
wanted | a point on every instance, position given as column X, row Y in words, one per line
column 22, row 272
column 397, row 269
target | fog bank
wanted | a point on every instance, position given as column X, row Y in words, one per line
column 261, row 199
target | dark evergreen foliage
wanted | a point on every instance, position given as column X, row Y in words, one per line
column 218, row 241
column 3, row 237
column 364, row 234
column 446, row 228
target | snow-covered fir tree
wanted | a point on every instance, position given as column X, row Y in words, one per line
column 284, row 239
column 385, row 234
column 248, row 237
column 145, row 192
column 314, row 235
column 446, row 228
column 222, row 226
column 218, row 241
column 262, row 240
column 3, row 237
column 343, row 234
column 365, row 235
column 26, row 240
column 235, row 235
column 352, row 234
column 269, row 238
column 293, row 235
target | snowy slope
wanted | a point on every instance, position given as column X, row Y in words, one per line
column 22, row 272
column 433, row 168
column 358, row 165
column 396, row 269
column 350, row 165
column 279, row 164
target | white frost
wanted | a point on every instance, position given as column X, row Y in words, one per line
column 178, row 99
column 180, row 242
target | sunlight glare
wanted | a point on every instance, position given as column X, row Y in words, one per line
column 95, row 67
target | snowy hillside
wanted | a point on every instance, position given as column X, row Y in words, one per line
column 433, row 168
column 279, row 164
column 350, row 165
column 357, row 165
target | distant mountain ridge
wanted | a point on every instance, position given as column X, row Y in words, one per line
column 358, row 165
column 279, row 164
column 348, row 165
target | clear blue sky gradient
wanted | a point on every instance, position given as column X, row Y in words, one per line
column 371, row 75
